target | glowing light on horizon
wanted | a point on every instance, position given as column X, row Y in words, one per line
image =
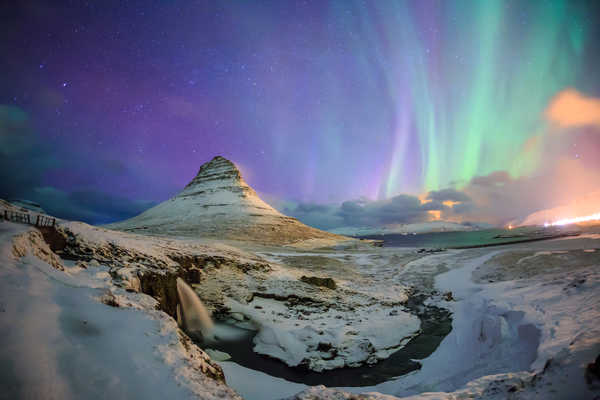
column 567, row 221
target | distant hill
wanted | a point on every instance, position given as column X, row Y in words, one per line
column 421, row 227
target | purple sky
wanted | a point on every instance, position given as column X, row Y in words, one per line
column 108, row 107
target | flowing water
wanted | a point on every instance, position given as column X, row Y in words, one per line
column 193, row 316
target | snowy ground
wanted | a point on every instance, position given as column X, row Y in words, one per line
column 519, row 334
column 525, row 317
column 362, row 320
column 59, row 341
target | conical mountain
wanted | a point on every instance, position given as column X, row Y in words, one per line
column 218, row 203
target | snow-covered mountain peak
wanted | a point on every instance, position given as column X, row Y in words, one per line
column 218, row 203
column 217, row 169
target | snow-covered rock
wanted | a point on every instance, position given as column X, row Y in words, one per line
column 219, row 203
column 61, row 339
column 322, row 336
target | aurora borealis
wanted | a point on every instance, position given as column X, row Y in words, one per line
column 114, row 105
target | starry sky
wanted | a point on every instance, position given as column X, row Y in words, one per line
column 108, row 107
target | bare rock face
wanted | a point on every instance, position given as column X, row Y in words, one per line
column 218, row 203
column 315, row 280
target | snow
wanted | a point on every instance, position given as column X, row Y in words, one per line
column 219, row 203
column 508, row 331
column 60, row 342
column 159, row 248
column 256, row 385
column 374, row 334
column 525, row 338
column 362, row 321
column 486, row 338
column 529, row 331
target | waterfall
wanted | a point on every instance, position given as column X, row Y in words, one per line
column 192, row 315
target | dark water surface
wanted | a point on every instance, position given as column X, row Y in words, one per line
column 436, row 323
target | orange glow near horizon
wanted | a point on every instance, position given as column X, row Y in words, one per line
column 435, row 214
column 450, row 203
column 567, row 221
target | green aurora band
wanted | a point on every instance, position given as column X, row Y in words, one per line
column 469, row 82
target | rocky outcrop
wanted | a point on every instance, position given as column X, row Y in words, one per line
column 218, row 203
column 32, row 242
column 315, row 280
column 151, row 264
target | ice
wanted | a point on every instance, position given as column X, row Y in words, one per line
column 256, row 385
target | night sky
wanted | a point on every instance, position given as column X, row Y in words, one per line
column 478, row 110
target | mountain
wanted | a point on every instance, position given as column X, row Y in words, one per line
column 421, row 227
column 218, row 203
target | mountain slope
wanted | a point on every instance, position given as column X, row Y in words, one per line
column 218, row 203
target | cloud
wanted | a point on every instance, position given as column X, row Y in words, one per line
column 400, row 209
column 88, row 205
column 25, row 159
column 434, row 205
column 498, row 198
column 570, row 108
column 322, row 216
column 560, row 168
column 494, row 179
column 448, row 194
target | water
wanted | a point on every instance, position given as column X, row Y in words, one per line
column 436, row 323
column 193, row 316
column 487, row 237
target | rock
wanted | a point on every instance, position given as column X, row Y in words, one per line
column 592, row 371
column 448, row 296
column 82, row 265
column 130, row 277
column 109, row 299
column 238, row 316
column 323, row 282
column 219, row 203
column 32, row 242
column 217, row 355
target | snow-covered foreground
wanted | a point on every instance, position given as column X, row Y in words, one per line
column 524, row 338
column 525, row 318
column 325, row 331
column 58, row 341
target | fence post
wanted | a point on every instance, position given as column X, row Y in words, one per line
column 53, row 222
column 37, row 221
column 6, row 215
